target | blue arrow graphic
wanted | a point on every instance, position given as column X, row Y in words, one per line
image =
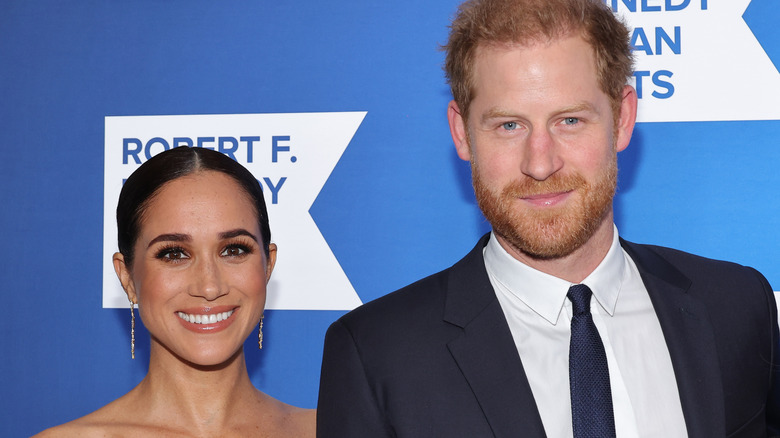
column 762, row 17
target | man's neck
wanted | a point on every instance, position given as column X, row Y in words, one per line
column 576, row 266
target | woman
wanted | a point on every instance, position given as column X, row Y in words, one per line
column 195, row 256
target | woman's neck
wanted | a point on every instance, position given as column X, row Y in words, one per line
column 202, row 398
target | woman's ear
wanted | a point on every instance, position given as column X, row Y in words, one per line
column 123, row 273
column 269, row 265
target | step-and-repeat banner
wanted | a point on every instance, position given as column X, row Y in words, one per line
column 339, row 109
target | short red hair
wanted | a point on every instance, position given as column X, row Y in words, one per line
column 524, row 22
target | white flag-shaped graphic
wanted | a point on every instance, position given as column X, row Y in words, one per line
column 721, row 71
column 291, row 155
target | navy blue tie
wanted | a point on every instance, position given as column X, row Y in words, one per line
column 591, row 396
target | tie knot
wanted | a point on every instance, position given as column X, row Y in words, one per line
column 579, row 295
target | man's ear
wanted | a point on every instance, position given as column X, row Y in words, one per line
column 627, row 119
column 123, row 273
column 459, row 131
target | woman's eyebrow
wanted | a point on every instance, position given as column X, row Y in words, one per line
column 171, row 237
column 235, row 233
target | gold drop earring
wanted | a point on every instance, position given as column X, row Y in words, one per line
column 132, row 329
column 260, row 333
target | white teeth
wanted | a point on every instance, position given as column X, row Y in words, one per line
column 205, row 319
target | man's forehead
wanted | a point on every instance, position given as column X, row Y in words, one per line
column 542, row 40
column 570, row 52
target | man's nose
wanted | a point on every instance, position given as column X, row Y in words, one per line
column 540, row 155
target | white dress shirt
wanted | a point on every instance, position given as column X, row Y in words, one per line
column 644, row 390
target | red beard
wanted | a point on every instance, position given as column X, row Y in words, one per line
column 552, row 232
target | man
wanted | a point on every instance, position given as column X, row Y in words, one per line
column 553, row 325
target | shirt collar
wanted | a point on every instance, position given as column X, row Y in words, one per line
column 546, row 294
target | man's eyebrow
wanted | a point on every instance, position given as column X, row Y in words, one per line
column 583, row 106
column 496, row 113
column 171, row 237
column 235, row 233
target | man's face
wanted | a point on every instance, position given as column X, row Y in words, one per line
column 542, row 141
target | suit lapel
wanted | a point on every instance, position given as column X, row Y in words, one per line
column 487, row 358
column 486, row 353
column 689, row 337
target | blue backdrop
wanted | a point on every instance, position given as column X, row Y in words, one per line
column 398, row 205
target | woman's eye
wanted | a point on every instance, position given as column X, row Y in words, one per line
column 234, row 251
column 571, row 121
column 509, row 126
column 172, row 254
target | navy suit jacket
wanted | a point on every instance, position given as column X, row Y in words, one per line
column 437, row 359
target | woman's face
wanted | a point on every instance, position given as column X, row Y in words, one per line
column 200, row 272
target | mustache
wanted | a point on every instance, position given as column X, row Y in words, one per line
column 554, row 184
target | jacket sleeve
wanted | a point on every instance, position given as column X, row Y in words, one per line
column 347, row 405
column 773, row 400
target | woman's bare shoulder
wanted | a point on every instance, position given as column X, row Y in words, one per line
column 303, row 422
column 78, row 428
column 291, row 420
column 105, row 422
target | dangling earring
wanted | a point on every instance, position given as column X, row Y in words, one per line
column 260, row 333
column 132, row 329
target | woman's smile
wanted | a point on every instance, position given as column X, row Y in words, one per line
column 207, row 320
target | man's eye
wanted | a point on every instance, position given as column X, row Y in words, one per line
column 509, row 126
column 571, row 121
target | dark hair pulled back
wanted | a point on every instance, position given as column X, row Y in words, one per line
column 141, row 187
